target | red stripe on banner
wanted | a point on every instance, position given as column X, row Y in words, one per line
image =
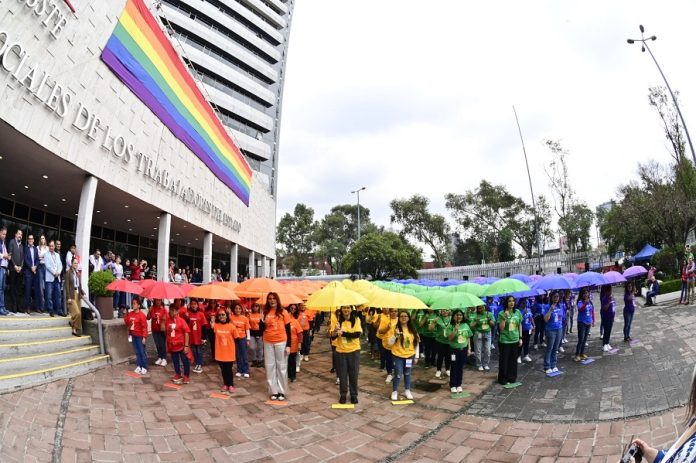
column 70, row 5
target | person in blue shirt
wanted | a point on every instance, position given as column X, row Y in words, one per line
column 553, row 319
column 493, row 306
column 585, row 321
column 540, row 307
column 654, row 291
column 527, row 327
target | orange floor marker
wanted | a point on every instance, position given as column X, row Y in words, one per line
column 172, row 386
column 132, row 374
column 217, row 395
column 277, row 403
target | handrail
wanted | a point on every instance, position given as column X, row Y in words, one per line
column 99, row 323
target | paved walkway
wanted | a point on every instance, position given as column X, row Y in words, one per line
column 110, row 416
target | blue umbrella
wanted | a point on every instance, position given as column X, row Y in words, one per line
column 522, row 277
column 530, row 293
column 553, row 282
column 590, row 279
column 614, row 277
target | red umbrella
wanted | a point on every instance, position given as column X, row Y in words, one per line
column 163, row 290
column 146, row 283
column 125, row 286
column 186, row 288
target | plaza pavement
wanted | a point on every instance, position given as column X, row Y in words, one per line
column 110, row 416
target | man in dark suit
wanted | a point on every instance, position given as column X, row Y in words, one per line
column 32, row 285
column 14, row 279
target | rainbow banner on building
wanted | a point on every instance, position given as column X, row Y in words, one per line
column 141, row 56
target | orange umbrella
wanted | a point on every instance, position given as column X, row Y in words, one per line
column 228, row 284
column 257, row 287
column 285, row 299
column 217, row 292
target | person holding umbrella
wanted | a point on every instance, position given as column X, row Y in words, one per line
column 482, row 323
column 553, row 320
column 402, row 339
column 629, row 309
column 458, row 338
column 585, row 321
column 606, row 315
column 510, row 341
column 442, row 327
column 347, row 332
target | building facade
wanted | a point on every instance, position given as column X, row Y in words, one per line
column 83, row 159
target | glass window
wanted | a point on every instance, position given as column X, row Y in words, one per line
column 36, row 216
column 21, row 212
column 6, row 206
column 52, row 220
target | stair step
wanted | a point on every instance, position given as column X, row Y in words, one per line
column 22, row 363
column 18, row 323
column 8, row 336
column 21, row 348
column 27, row 379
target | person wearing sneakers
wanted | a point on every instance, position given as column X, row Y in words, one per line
column 443, row 360
column 255, row 341
column 607, row 312
column 482, row 323
column 305, row 319
column 585, row 321
column 509, row 341
column 458, row 338
column 402, row 338
column 242, row 340
column 553, row 325
column 136, row 322
column 347, row 333
column 157, row 314
column 197, row 321
column 527, row 329
column 388, row 320
column 296, row 334
column 275, row 327
column 178, row 344
column 225, row 355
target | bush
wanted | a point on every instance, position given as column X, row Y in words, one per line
column 670, row 286
column 666, row 261
column 98, row 281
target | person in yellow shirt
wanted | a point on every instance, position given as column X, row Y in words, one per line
column 346, row 332
column 403, row 340
column 333, row 319
column 387, row 321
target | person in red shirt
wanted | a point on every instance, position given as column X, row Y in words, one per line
column 241, row 341
column 275, row 326
column 196, row 320
column 208, row 332
column 255, row 342
column 225, row 333
column 178, row 343
column 157, row 314
column 136, row 322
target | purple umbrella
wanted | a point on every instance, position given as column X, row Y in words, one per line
column 535, row 277
column 571, row 275
column 523, row 278
column 635, row 272
column 614, row 277
column 553, row 282
column 590, row 279
column 530, row 293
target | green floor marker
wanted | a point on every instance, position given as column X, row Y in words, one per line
column 512, row 385
column 460, row 395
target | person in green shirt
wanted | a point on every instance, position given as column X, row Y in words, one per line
column 459, row 334
column 482, row 323
column 424, row 324
column 442, row 326
column 510, row 324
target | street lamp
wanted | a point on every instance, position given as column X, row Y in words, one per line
column 357, row 192
column 644, row 47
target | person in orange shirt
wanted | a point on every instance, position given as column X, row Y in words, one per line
column 306, row 319
column 241, row 341
column 225, row 333
column 295, row 341
column 275, row 326
column 255, row 343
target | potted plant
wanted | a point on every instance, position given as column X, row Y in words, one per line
column 103, row 298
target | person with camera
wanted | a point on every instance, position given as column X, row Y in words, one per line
column 681, row 451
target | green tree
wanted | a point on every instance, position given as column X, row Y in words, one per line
column 577, row 224
column 384, row 255
column 338, row 230
column 671, row 123
column 417, row 222
column 296, row 237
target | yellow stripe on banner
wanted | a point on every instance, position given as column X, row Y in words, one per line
column 60, row 367
column 31, row 357
column 31, row 330
column 37, row 343
column 129, row 25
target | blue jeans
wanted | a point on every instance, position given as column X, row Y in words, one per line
column 240, row 345
column 3, row 277
column 583, row 332
column 401, row 370
column 628, row 320
column 197, row 354
column 32, row 287
column 184, row 359
column 53, row 297
column 607, row 324
column 482, row 348
column 140, row 353
column 386, row 359
column 553, row 342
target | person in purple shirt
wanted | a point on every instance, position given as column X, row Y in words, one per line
column 629, row 310
column 607, row 313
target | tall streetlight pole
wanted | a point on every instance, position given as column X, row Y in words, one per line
column 644, row 47
column 357, row 192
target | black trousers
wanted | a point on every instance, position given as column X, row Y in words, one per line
column 292, row 365
column 443, row 353
column 507, row 369
column 15, row 281
column 226, row 370
column 347, row 368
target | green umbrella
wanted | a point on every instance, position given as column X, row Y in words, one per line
column 505, row 286
column 457, row 300
column 415, row 287
column 429, row 296
column 471, row 288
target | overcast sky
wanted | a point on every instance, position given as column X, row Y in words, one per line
column 402, row 98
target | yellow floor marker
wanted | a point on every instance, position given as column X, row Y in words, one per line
column 402, row 402
column 347, row 406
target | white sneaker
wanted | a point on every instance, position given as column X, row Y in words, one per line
column 519, row 359
column 536, row 346
column 447, row 373
column 138, row 370
column 492, row 346
column 389, row 379
column 246, row 375
column 453, row 389
column 158, row 362
column 422, row 355
column 561, row 349
column 143, row 371
column 459, row 389
column 306, row 358
column 238, row 375
column 408, row 394
column 543, row 344
column 609, row 347
column 164, row 363
column 395, row 395
column 480, row 368
column 438, row 374
column 487, row 368
column 527, row 358
column 587, row 344
column 550, row 370
column 555, row 370
column 338, row 381
column 604, row 348
column 564, row 340
column 297, row 369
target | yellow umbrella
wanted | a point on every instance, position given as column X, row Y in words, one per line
column 387, row 299
column 332, row 296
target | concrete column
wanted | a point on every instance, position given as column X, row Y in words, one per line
column 273, row 268
column 83, row 232
column 163, row 232
column 252, row 264
column 264, row 267
column 234, row 262
column 207, row 257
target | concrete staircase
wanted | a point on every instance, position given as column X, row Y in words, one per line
column 39, row 349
